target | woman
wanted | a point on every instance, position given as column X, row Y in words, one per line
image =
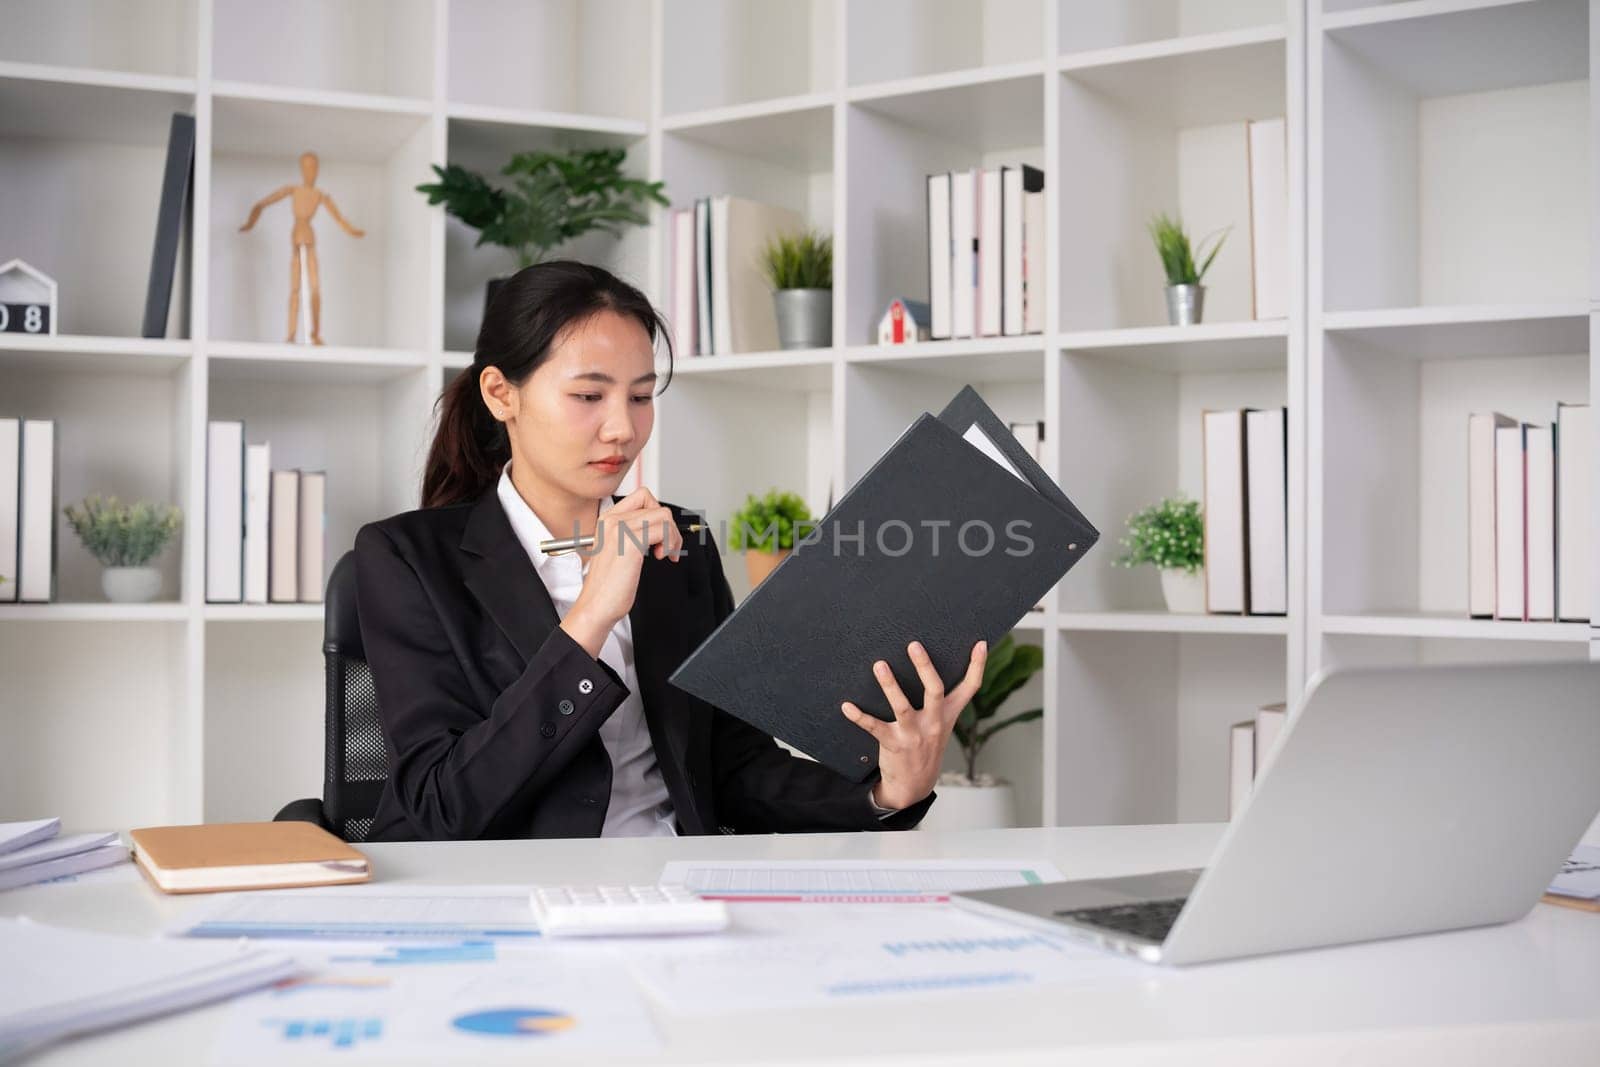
column 525, row 695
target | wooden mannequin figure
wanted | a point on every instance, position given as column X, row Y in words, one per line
column 303, row 241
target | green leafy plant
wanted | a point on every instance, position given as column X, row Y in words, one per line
column 123, row 535
column 801, row 260
column 1170, row 535
column 1007, row 669
column 1177, row 257
column 550, row 198
column 770, row 523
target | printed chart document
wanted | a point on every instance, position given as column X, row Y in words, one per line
column 779, row 956
column 366, row 912
column 853, row 881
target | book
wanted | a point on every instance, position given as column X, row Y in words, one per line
column 1575, row 531
column 57, row 856
column 1540, row 521
column 311, row 547
column 1033, row 248
column 283, row 556
column 702, row 277
column 1269, row 218
column 36, row 493
column 1267, row 510
column 1510, row 530
column 990, row 246
column 1227, row 577
column 744, row 319
column 685, row 295
column 177, row 178
column 258, row 855
column 1270, row 722
column 939, row 252
column 950, row 537
column 224, row 512
column 10, row 505
column 1241, row 764
column 1481, row 511
column 257, row 496
column 963, row 254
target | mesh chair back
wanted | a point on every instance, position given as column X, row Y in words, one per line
column 356, row 763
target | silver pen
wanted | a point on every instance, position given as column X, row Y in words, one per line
column 572, row 544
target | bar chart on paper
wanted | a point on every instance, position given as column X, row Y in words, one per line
column 853, row 881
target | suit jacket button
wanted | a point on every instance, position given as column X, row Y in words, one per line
column 547, row 730
column 586, row 686
column 566, row 707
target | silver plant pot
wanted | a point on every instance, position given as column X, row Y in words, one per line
column 1185, row 304
column 805, row 317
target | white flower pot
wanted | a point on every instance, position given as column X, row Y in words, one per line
column 130, row 585
column 971, row 807
column 1185, row 593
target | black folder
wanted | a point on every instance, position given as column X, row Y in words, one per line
column 938, row 542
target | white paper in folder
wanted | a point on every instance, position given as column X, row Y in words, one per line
column 982, row 442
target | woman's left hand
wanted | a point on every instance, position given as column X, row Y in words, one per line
column 911, row 749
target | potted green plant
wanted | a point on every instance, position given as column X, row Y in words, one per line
column 1185, row 294
column 1170, row 535
column 765, row 530
column 969, row 800
column 125, row 538
column 548, row 199
column 799, row 267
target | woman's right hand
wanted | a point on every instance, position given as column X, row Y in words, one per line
column 635, row 524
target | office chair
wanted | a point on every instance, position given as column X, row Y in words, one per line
column 355, row 765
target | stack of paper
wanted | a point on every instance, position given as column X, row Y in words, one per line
column 58, row 982
column 31, row 852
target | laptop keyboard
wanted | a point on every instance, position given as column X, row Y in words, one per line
column 1150, row 919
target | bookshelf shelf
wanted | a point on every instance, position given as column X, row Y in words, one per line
column 625, row 129
column 1471, row 332
column 309, row 364
column 98, row 613
column 798, row 139
column 1208, row 347
column 795, row 369
column 991, row 359
column 119, row 355
column 1167, row 623
column 1456, row 627
column 102, row 79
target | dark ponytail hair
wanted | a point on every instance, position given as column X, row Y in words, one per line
column 522, row 322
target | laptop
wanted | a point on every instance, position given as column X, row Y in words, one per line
column 1398, row 801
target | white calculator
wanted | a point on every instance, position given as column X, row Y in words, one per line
column 624, row 911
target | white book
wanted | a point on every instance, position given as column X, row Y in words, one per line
column 1481, row 428
column 685, row 296
column 991, row 253
column 963, row 257
column 36, row 548
column 1510, row 511
column 1267, row 497
column 1269, row 218
column 1270, row 721
column 1575, row 519
column 939, row 256
column 1033, row 243
column 1540, row 523
column 741, row 297
column 10, row 505
column 257, row 496
column 1224, row 506
column 1241, row 765
column 702, row 277
column 283, row 563
column 224, row 512
column 313, row 526
column 1012, row 283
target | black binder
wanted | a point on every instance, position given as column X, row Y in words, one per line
column 922, row 568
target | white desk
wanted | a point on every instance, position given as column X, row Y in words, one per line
column 1527, row 993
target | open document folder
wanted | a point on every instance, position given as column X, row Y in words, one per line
column 949, row 539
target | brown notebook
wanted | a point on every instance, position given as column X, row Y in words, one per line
column 245, row 855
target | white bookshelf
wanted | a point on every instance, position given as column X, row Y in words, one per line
column 1439, row 172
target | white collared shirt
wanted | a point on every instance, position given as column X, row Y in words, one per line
column 639, row 805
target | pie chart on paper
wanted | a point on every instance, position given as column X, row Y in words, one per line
column 515, row 1022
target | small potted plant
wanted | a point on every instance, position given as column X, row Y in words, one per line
column 1171, row 536
column 765, row 530
column 549, row 199
column 1185, row 294
column 969, row 800
column 125, row 538
column 799, row 267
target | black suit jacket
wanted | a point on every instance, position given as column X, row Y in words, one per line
column 491, row 710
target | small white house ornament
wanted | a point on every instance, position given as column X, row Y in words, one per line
column 27, row 299
column 903, row 322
